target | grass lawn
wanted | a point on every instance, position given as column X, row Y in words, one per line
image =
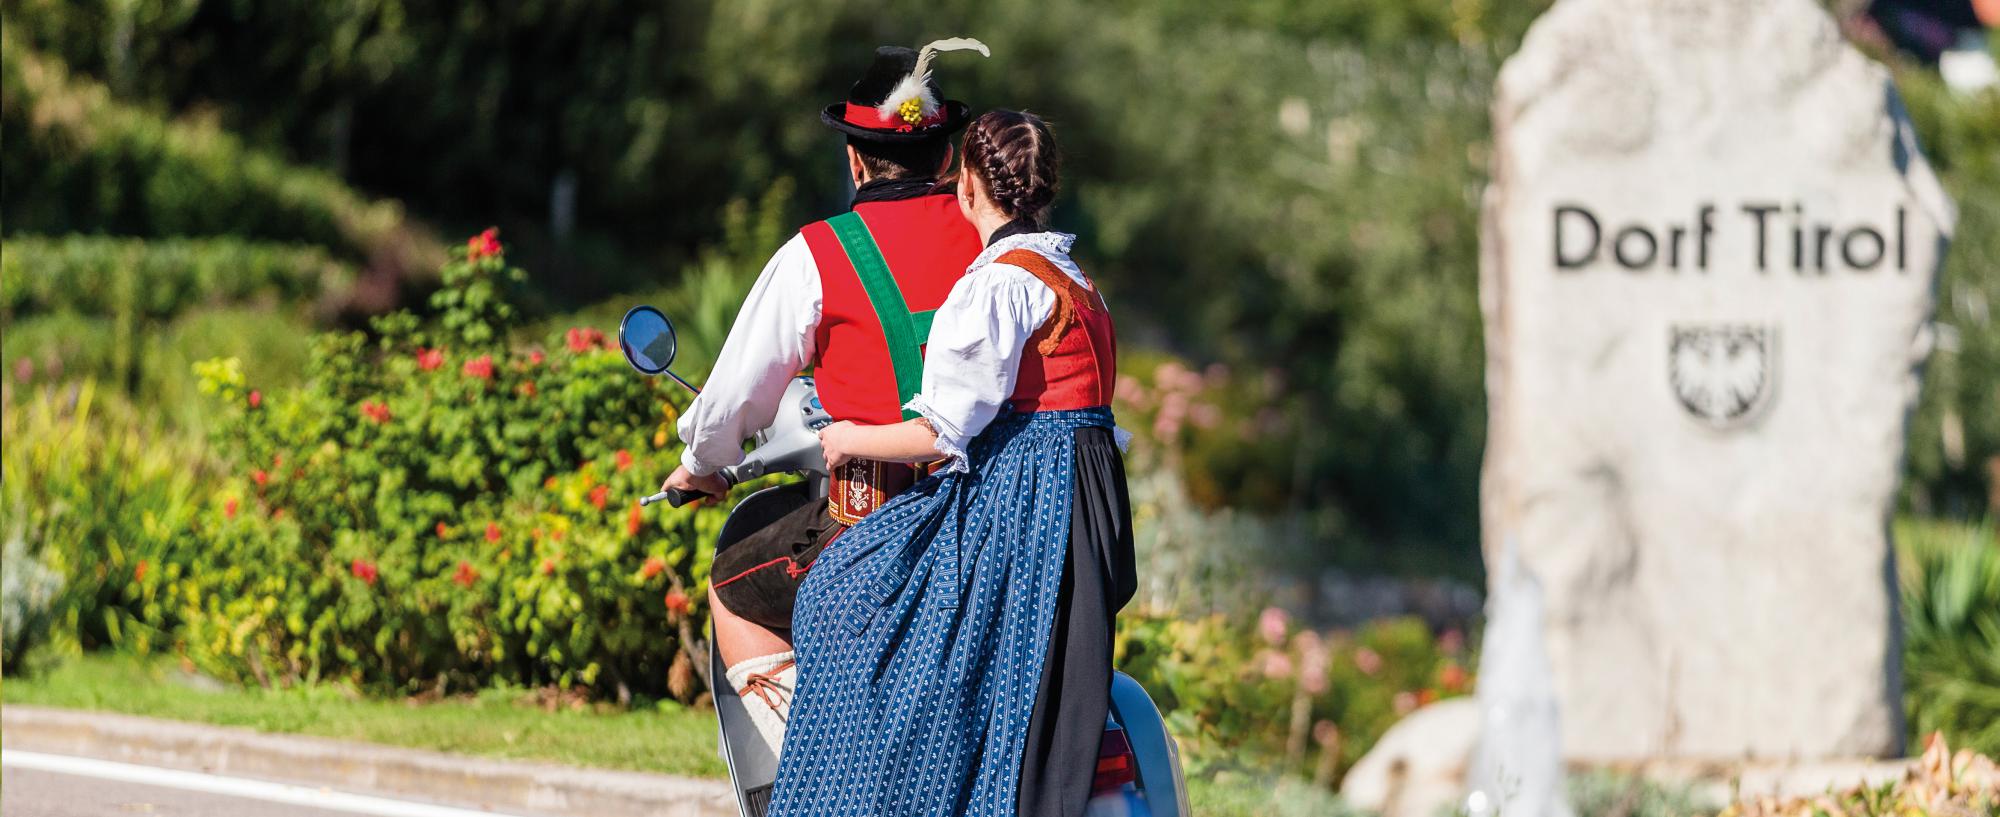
column 670, row 740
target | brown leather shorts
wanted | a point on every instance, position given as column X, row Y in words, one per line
column 758, row 578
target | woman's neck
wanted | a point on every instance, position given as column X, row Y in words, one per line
column 988, row 223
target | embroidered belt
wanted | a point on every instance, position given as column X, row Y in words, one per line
column 861, row 486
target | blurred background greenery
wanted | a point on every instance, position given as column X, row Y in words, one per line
column 1280, row 199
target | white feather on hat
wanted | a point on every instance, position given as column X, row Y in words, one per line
column 917, row 87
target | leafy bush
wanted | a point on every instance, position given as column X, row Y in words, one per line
column 1262, row 695
column 106, row 501
column 1951, row 646
column 78, row 161
column 437, row 509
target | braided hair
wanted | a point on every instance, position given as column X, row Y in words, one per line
column 1015, row 155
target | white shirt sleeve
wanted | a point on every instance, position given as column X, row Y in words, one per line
column 974, row 356
column 773, row 339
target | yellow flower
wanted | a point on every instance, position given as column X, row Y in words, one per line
column 912, row 110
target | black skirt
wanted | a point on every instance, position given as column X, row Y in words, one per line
column 1060, row 758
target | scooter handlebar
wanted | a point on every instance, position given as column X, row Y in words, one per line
column 675, row 497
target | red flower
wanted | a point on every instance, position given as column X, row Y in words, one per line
column 430, row 359
column 1453, row 677
column 375, row 412
column 277, row 460
column 528, row 389
column 633, row 521
column 260, row 477
column 599, row 495
column 139, row 572
column 482, row 245
column 229, row 508
column 480, row 367
column 677, row 602
column 466, row 575
column 581, row 339
column 536, row 357
column 548, row 567
column 256, row 398
column 363, row 570
column 492, row 532
column 651, row 568
column 443, row 531
column 623, row 458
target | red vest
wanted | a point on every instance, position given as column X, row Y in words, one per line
column 1072, row 361
column 927, row 244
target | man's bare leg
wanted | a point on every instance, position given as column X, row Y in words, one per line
column 759, row 664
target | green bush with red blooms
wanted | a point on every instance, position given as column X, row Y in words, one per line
column 1251, row 696
column 438, row 510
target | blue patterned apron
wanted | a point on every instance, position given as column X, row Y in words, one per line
column 921, row 634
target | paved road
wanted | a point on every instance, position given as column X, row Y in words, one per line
column 34, row 785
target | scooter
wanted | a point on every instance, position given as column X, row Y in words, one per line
column 1138, row 768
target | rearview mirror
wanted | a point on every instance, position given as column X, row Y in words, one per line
column 647, row 338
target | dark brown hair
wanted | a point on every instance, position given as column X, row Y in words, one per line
column 1015, row 155
column 902, row 160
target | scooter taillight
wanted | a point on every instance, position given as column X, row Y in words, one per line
column 1116, row 767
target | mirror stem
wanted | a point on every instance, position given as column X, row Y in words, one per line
column 684, row 384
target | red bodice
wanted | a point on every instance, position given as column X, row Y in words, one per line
column 1072, row 361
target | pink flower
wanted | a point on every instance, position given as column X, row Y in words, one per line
column 480, row 367
column 430, row 359
column 1274, row 665
column 363, row 570
column 1368, row 661
column 1313, row 662
column 1404, row 702
column 1451, row 641
column 256, row 398
column 1273, row 624
column 1325, row 733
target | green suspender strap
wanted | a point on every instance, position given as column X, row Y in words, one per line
column 905, row 331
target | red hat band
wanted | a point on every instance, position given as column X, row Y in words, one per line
column 866, row 116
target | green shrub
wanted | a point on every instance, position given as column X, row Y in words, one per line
column 1261, row 696
column 1951, row 647
column 107, row 502
column 438, row 509
column 78, row 161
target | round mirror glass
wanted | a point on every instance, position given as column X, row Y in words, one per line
column 647, row 338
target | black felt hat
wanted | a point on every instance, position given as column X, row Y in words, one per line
column 898, row 100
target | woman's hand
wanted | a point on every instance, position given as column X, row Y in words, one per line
column 837, row 442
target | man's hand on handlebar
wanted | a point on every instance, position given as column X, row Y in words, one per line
column 711, row 486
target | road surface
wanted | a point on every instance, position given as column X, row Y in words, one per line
column 43, row 785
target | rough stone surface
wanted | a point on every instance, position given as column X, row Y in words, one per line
column 1698, row 454
column 1418, row 767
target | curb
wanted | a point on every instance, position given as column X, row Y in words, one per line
column 503, row 785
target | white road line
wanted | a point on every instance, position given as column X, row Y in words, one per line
column 232, row 786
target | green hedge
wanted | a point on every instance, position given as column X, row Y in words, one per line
column 153, row 280
column 78, row 161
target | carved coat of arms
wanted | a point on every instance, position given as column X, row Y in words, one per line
column 1722, row 374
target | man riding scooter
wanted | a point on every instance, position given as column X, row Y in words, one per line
column 851, row 298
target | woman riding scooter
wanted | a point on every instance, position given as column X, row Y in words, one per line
column 954, row 648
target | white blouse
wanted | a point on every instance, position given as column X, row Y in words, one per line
column 979, row 336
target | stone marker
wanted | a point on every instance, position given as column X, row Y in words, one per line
column 1707, row 270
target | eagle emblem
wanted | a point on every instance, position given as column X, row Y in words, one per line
column 1721, row 374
